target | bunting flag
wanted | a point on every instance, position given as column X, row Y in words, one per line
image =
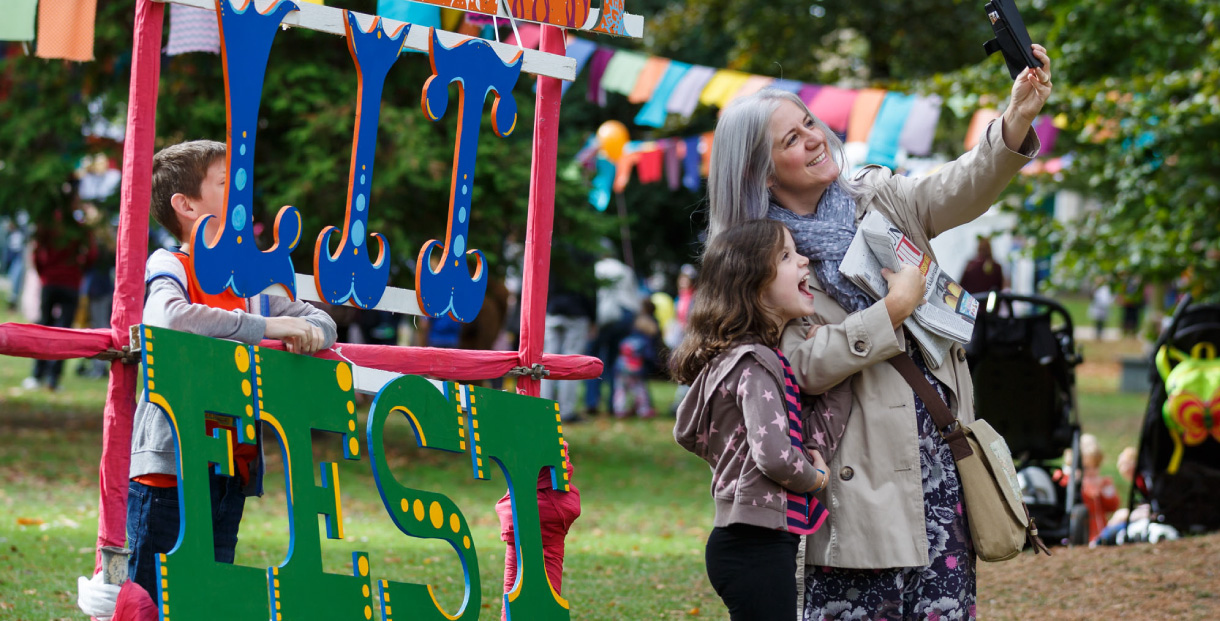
column 978, row 124
column 650, row 76
column 622, row 72
column 603, row 183
column 597, row 68
column 863, row 112
column 192, row 30
column 720, row 90
column 891, row 118
column 673, row 164
column 1044, row 127
column 651, row 164
column 692, row 176
column 808, row 93
column 654, row 111
column 417, row 13
column 686, row 95
column 753, row 84
column 65, row 29
column 833, row 105
column 18, row 22
column 920, row 127
column 792, row 86
column 580, row 50
column 531, row 34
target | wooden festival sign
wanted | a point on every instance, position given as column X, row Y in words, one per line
column 190, row 377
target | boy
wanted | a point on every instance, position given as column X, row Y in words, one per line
column 189, row 183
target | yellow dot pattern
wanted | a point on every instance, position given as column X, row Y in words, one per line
column 436, row 514
column 164, row 588
column 563, row 452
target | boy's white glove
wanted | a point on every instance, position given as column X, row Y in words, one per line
column 95, row 598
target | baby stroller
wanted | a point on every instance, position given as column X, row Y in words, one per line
column 1177, row 474
column 1023, row 360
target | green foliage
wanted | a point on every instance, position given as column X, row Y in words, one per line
column 1137, row 87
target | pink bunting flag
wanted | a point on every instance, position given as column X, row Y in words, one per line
column 650, row 77
column 531, row 34
column 833, row 106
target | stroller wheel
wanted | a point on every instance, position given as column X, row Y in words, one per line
column 1078, row 526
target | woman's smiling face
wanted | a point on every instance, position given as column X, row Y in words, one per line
column 804, row 166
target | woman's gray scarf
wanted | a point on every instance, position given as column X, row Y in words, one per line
column 824, row 237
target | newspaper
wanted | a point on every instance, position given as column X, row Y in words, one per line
column 950, row 312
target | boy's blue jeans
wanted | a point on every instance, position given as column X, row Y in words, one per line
column 153, row 523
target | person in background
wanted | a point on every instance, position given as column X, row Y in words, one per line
column 618, row 301
column 63, row 250
column 1099, row 307
column 637, row 355
column 570, row 312
column 983, row 273
column 677, row 328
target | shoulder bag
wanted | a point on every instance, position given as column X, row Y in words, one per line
column 1000, row 524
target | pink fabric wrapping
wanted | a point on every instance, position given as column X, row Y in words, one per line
column 557, row 511
column 30, row 340
column 192, row 30
column 129, row 271
column 134, row 604
column 530, row 35
column 540, row 217
column 833, row 105
column 452, row 364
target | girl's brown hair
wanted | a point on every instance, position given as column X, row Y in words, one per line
column 728, row 307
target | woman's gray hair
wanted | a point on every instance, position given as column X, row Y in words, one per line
column 741, row 161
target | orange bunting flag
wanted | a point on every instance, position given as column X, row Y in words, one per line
column 650, row 76
column 65, row 29
column 978, row 124
column 863, row 113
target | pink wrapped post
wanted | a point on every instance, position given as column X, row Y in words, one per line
column 541, row 218
column 450, row 364
column 129, row 271
column 29, row 340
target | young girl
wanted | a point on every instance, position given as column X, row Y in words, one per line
column 742, row 415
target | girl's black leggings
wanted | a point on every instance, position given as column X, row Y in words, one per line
column 753, row 569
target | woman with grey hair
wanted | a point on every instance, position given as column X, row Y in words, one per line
column 897, row 542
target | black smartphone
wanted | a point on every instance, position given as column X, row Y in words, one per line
column 1011, row 37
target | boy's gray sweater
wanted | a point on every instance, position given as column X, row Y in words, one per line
column 167, row 305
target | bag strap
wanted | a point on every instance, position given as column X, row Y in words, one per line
column 946, row 423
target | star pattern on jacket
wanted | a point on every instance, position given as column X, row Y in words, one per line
column 762, row 431
column 819, row 437
column 768, row 395
column 781, row 420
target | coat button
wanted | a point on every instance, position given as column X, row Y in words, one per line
column 859, row 347
column 961, row 355
column 847, row 473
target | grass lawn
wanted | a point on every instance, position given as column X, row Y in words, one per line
column 635, row 553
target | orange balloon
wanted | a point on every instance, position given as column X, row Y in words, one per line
column 613, row 137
